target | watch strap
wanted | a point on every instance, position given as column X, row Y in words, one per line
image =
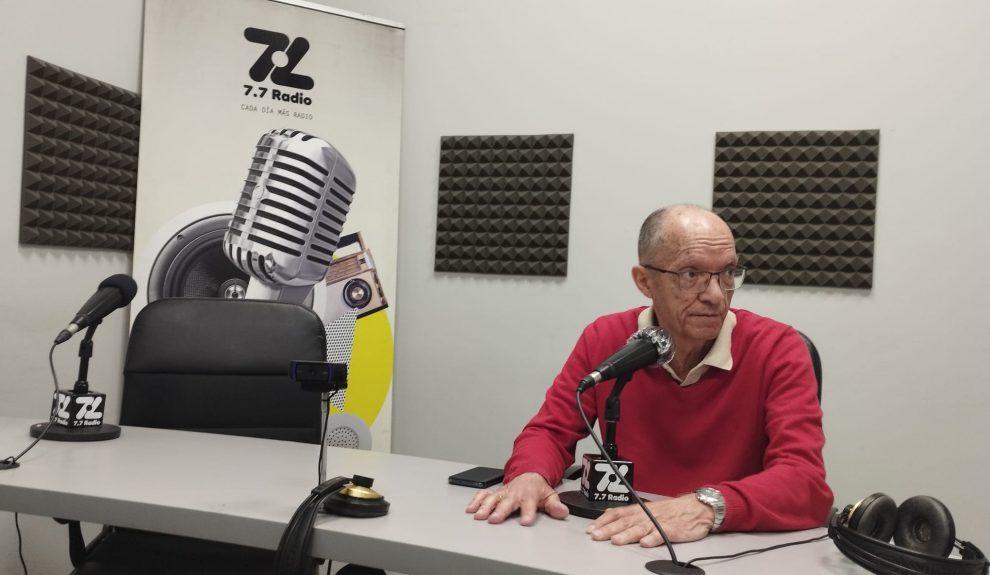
column 713, row 498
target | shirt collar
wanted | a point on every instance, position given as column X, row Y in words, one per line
column 719, row 356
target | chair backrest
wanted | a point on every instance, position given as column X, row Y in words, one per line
column 221, row 366
column 816, row 362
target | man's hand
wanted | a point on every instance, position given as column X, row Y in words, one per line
column 683, row 519
column 527, row 493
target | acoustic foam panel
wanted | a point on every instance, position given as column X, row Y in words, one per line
column 802, row 205
column 504, row 204
column 79, row 178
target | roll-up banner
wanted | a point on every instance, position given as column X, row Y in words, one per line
column 269, row 169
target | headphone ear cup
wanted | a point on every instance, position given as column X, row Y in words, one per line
column 353, row 507
column 924, row 524
column 357, row 499
column 874, row 516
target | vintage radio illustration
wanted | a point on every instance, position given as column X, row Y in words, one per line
column 352, row 281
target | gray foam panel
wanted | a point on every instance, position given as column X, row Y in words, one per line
column 79, row 179
column 801, row 204
column 504, row 204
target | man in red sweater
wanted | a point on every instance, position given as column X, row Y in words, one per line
column 730, row 429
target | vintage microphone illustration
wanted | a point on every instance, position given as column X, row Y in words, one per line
column 290, row 215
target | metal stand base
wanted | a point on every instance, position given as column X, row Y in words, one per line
column 667, row 567
column 58, row 433
column 579, row 505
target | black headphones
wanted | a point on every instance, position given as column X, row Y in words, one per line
column 923, row 532
column 350, row 497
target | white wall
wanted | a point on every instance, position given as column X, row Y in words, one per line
column 643, row 86
column 45, row 286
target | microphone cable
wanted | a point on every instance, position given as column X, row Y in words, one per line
column 321, row 459
column 10, row 462
column 625, row 482
column 20, row 547
column 670, row 549
column 756, row 551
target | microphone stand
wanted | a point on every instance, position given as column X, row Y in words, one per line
column 576, row 501
column 59, row 432
column 612, row 416
column 660, row 566
column 85, row 353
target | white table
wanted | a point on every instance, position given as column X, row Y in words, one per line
column 243, row 490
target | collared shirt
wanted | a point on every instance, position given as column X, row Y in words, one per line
column 719, row 356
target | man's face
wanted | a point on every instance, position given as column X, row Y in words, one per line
column 697, row 241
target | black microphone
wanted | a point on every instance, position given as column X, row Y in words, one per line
column 648, row 346
column 114, row 292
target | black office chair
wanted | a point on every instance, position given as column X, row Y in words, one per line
column 816, row 362
column 206, row 365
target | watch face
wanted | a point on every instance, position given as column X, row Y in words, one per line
column 708, row 495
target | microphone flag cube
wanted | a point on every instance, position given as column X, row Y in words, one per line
column 599, row 483
column 76, row 410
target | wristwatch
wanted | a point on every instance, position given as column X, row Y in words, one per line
column 713, row 498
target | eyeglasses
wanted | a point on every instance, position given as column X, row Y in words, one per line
column 694, row 281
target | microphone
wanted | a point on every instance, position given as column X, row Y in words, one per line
column 114, row 292
column 650, row 345
column 290, row 215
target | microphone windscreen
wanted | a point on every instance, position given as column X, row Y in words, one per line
column 124, row 283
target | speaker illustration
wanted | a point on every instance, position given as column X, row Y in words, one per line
column 343, row 429
column 191, row 262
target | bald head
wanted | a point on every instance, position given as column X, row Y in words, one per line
column 666, row 224
column 679, row 240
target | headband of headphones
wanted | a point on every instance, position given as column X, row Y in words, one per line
column 885, row 559
column 292, row 554
column 352, row 497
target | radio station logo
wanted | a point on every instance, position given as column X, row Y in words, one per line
column 609, row 481
column 266, row 66
column 277, row 64
column 599, row 482
column 78, row 409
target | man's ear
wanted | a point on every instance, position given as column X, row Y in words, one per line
column 640, row 276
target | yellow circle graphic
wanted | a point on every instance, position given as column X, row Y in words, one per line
column 370, row 370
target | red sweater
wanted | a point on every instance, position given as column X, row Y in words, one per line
column 754, row 433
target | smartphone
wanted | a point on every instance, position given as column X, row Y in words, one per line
column 479, row 477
